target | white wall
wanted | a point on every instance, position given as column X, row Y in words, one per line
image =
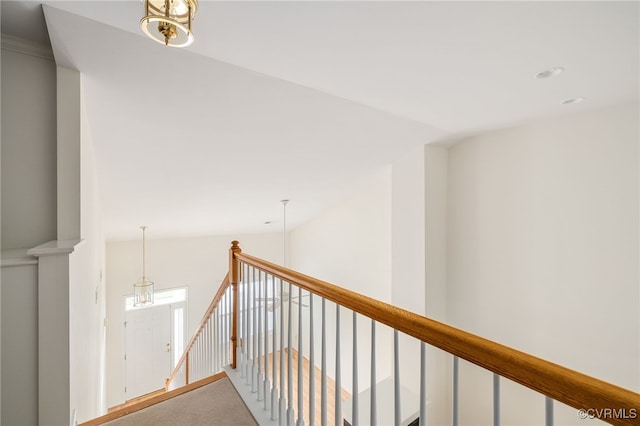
column 350, row 246
column 28, row 147
column 28, row 214
column 543, row 248
column 86, row 291
column 197, row 263
column 19, row 344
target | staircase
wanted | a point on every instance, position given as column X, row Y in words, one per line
column 269, row 327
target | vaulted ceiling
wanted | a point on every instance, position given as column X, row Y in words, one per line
column 306, row 100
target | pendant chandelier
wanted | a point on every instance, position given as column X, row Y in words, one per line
column 171, row 19
column 143, row 289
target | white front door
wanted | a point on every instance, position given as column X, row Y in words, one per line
column 147, row 350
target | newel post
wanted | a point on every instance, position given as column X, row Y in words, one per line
column 234, row 279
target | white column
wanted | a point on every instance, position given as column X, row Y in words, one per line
column 53, row 331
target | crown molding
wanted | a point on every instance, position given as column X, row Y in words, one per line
column 26, row 47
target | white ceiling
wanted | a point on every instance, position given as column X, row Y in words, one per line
column 308, row 100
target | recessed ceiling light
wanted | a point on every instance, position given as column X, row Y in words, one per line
column 572, row 101
column 548, row 73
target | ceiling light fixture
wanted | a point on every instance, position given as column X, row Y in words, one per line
column 143, row 289
column 173, row 18
column 548, row 73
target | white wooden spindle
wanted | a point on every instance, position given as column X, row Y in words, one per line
column 203, row 355
column 246, row 341
column 397, row 415
column 216, row 345
column 260, row 336
column 423, row 383
column 290, row 412
column 355, row 418
column 241, row 318
column 254, row 335
column 300, row 421
column 456, row 418
column 373, row 403
column 312, row 366
column 233, row 315
column 323, row 368
column 247, row 326
column 267, row 383
column 219, row 336
column 239, row 334
column 207, row 346
column 338, row 379
column 245, row 314
column 229, row 325
column 496, row 400
column 193, row 362
column 213, row 345
column 200, row 358
column 282, row 401
column 225, row 328
column 221, row 324
column 274, row 335
column 202, row 348
column 212, row 366
column 548, row 411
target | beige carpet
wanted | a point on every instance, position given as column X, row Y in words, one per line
column 215, row 404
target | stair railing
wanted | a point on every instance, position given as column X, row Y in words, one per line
column 282, row 321
column 209, row 349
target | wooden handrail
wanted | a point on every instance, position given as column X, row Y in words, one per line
column 203, row 322
column 557, row 382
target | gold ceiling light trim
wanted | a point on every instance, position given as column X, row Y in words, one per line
column 169, row 21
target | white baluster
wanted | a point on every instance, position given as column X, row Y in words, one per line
column 218, row 333
column 312, row 366
column 355, row 418
column 215, row 341
column 206, row 344
column 274, row 335
column 323, row 368
column 225, row 328
column 548, row 411
column 290, row 411
column 260, row 304
column 396, row 380
column 456, row 419
column 373, row 404
column 247, row 317
column 423, row 383
column 254, row 336
column 267, row 385
column 496, row 400
column 338, row 379
column 300, row 363
column 282, row 401
column 229, row 325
